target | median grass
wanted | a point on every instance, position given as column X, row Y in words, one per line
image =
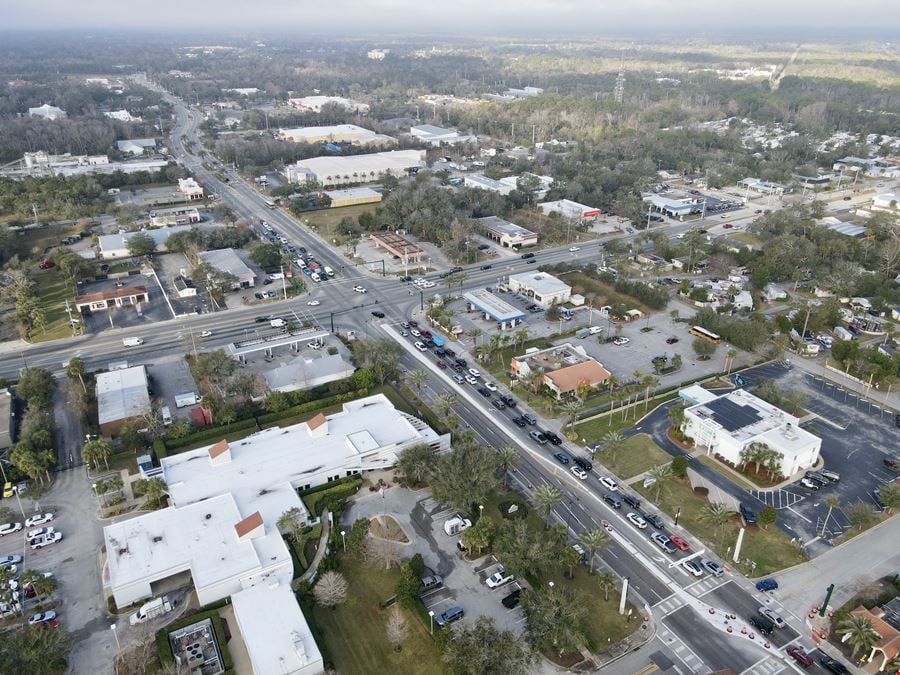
column 771, row 549
column 355, row 631
column 637, row 455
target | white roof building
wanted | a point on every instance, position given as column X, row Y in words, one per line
column 569, row 209
column 190, row 189
column 48, row 112
column 885, row 202
column 227, row 260
column 136, row 146
column 334, row 171
column 339, row 133
column 507, row 184
column 122, row 116
column 316, row 103
column 122, row 395
column 275, row 632
column 543, row 288
column 508, row 234
column 116, row 245
column 434, row 135
column 306, row 373
column 726, row 424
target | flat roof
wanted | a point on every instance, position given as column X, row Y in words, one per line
column 353, row 193
column 505, row 227
column 431, row 130
column 141, row 142
column 227, row 260
column 397, row 243
column 540, row 282
column 568, row 208
column 480, row 180
column 671, row 204
column 371, row 162
column 304, row 373
column 274, row 630
column 122, row 394
column 115, row 242
column 841, row 227
column 490, row 304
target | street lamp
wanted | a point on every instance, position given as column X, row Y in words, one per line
column 480, row 511
column 344, row 540
column 112, row 627
column 677, row 513
column 431, row 619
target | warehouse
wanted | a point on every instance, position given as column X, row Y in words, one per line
column 228, row 261
column 335, row 171
column 543, row 288
column 434, row 135
column 316, row 103
column 353, row 197
column 508, row 235
column 122, row 398
column 339, row 133
column 136, row 146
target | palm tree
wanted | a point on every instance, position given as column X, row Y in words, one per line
column 593, row 541
column 833, row 502
column 496, row 343
column 546, row 496
column 43, row 586
column 612, row 443
column 416, row 379
column 444, row 404
column 649, row 382
column 506, row 460
column 730, row 356
column 571, row 409
column 154, row 490
column 76, row 369
column 607, row 582
column 857, row 631
column 474, row 333
column 521, row 337
column 95, row 451
column 717, row 514
column 676, row 416
column 659, row 473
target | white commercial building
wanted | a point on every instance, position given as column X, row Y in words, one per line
column 316, row 103
column 228, row 261
column 333, row 171
column 116, row 245
column 176, row 215
column 305, row 373
column 136, row 146
column 885, row 202
column 122, row 396
column 507, row 234
column 434, row 135
column 190, row 189
column 121, row 116
column 507, row 184
column 338, row 133
column 728, row 423
column 543, row 288
column 48, row 112
column 569, row 209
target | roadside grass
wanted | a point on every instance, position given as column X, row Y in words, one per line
column 325, row 221
column 637, row 455
column 733, row 476
column 855, row 531
column 354, row 632
column 52, row 290
column 771, row 550
column 593, row 430
column 604, row 294
column 745, row 238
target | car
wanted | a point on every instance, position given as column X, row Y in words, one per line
column 509, row 401
column 498, row 404
column 511, row 601
column 413, row 323
column 461, row 363
column 486, row 267
column 847, row 198
column 40, row 519
column 833, row 476
column 45, row 540
column 458, row 379
column 471, row 380
column 427, row 334
column 637, row 521
column 449, row 352
column 654, row 520
column 612, row 500
column 663, row 542
column 584, row 463
column 262, row 319
column 403, row 333
column 431, row 581
column 553, row 437
column 377, row 314
column 10, row 560
column 693, row 567
column 631, row 500
column 420, row 346
column 764, row 626
column 712, row 567
column 560, row 457
column 518, row 421
column 490, row 386
column 360, row 289
column 484, row 392
column 8, row 490
column 414, row 332
column 807, row 483
column 10, row 528
column 833, row 665
column 441, row 365
column 572, row 249
column 817, row 478
column 679, row 543
column 892, row 463
column 619, row 341
column 474, row 372
column 538, row 436
column 765, row 585
column 671, row 340
column 609, row 483
column 270, row 294
column 758, row 211
column 41, row 617
column 528, row 417
column 498, row 578
column 772, row 616
column 579, row 473
column 39, row 532
column 527, row 256
column 748, row 515
column 728, row 226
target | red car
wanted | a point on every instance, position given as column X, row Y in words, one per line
column 678, row 542
column 426, row 334
column 441, row 365
column 728, row 226
column 414, row 324
column 799, row 656
column 52, row 623
column 46, row 264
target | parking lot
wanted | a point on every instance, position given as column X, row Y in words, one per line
column 463, row 581
column 128, row 315
column 170, row 376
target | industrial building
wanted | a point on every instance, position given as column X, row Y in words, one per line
column 835, row 224
column 506, row 184
column 136, row 146
column 726, row 424
column 228, row 261
column 114, row 297
column 116, row 245
column 316, row 103
column 399, row 247
column 493, row 308
column 507, row 234
column 122, row 398
column 562, row 368
column 48, row 112
column 339, row 133
column 335, row 171
column 674, row 208
column 177, row 215
column 353, row 197
column 434, row 135
column 543, row 288
column 569, row 209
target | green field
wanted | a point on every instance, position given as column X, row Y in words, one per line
column 53, row 289
column 354, row 632
column 325, row 221
column 637, row 455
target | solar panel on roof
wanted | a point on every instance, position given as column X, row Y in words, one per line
column 731, row 415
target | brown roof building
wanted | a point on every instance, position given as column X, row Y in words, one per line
column 101, row 300
column 889, row 643
column 562, row 368
column 567, row 380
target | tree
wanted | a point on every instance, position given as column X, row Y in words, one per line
column 380, row 356
column 857, row 631
column 291, row 522
column 141, row 244
column 43, row 586
column 546, row 496
column 155, row 490
column 331, row 589
column 607, row 582
column 130, row 437
column 475, row 332
column 730, row 354
column 860, row 514
column 479, row 536
column 217, row 282
column 680, row 466
column 593, row 540
column 717, row 514
column 889, row 495
column 416, row 379
column 36, row 387
column 553, row 311
column 704, row 348
column 554, row 617
column 507, row 457
column 464, row 476
column 659, row 473
column 266, row 255
column 612, row 443
column 382, row 550
column 95, row 451
column 356, row 538
column 482, row 649
column 396, row 628
column 767, row 516
column 76, row 370
column 676, row 416
column 571, row 410
column 416, row 464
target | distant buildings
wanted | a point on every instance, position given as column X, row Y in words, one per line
column 122, row 116
column 116, row 245
column 569, row 209
column 674, row 208
column 190, row 189
column 763, row 187
column 339, row 133
column 514, row 93
column 378, row 54
column 122, row 398
column 508, row 235
column 562, row 369
column 243, row 91
column 48, row 112
column 544, row 289
column 136, row 146
column 177, row 215
column 228, row 261
column 848, row 229
column 353, row 197
column 316, row 103
column 876, row 167
column 335, row 171
column 885, row 202
column 507, row 184
column 434, row 135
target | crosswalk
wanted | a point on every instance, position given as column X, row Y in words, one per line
column 665, row 607
column 692, row 662
column 703, row 586
column 767, row 666
column 779, row 499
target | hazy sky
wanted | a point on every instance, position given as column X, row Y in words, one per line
column 582, row 17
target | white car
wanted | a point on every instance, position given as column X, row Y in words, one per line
column 46, row 540
column 360, row 289
column 39, row 519
column 490, row 386
column 578, row 472
column 420, row 281
column 637, row 521
column 474, row 372
column 206, row 333
column 693, row 567
column 772, row 616
column 572, row 249
column 41, row 618
column 10, row 560
column 498, row 578
column 609, row 483
column 429, row 284
column 10, row 528
column 39, row 532
column 421, row 347
column 414, row 332
column 313, row 303
column 471, row 380
column 621, row 341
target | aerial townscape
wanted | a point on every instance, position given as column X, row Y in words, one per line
column 510, row 338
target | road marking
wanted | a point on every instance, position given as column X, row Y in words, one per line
column 799, row 515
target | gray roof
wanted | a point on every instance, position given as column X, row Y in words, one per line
column 540, row 282
column 499, row 225
column 115, row 242
column 226, row 260
column 122, row 394
column 304, row 373
column 490, row 304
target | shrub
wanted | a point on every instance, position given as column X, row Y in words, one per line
column 330, row 494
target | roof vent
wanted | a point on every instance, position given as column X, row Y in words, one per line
column 156, row 540
column 208, row 516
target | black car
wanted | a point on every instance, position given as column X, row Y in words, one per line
column 454, row 270
column 612, row 500
column 561, row 457
column 831, row 664
column 763, row 625
column 449, row 352
column 512, row 600
column 654, row 520
column 484, row 391
column 483, row 247
column 498, row 404
column 440, row 351
column 262, row 319
column 897, row 419
column 816, row 478
column 509, row 401
column 378, row 314
column 406, row 279
column 584, row 463
column 748, row 515
column 486, row 267
column 519, row 422
column 552, row 437
column 631, row 500
column 462, row 363
column 526, row 256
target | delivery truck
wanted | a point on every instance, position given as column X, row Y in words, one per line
column 151, row 609
column 133, row 341
column 189, row 398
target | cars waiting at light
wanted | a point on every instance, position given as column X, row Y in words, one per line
column 609, row 483
column 360, row 289
column 637, row 521
column 421, row 347
column 693, row 567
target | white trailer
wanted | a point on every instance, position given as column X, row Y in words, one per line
column 184, row 400
column 151, row 609
column 133, row 341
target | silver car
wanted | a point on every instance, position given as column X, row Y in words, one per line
column 772, row 616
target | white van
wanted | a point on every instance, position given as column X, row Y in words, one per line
column 133, row 341
column 166, row 415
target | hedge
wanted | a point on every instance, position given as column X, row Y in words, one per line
column 213, row 434
column 310, row 406
column 343, row 487
column 164, row 649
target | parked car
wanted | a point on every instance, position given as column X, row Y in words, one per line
column 663, row 542
column 511, row 601
column 678, row 542
column 10, row 560
column 45, row 540
column 654, row 520
column 833, row 665
column 671, row 340
column 41, row 618
column 448, row 617
column 10, row 528
column 807, row 483
column 39, row 532
column 360, row 289
column 833, row 476
column 772, row 616
column 712, row 567
column 528, row 417
column 609, row 483
column 637, row 521
column 765, row 585
column 377, row 314
column 39, row 519
column 561, row 457
column 578, row 472
column 552, row 437
column 631, row 500
column 612, row 500
column 583, row 463
column 748, row 515
column 498, row 578
column 892, row 463
column 693, row 567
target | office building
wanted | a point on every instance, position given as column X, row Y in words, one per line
column 122, row 398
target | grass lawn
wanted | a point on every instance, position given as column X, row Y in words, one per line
column 354, row 632
column 733, row 476
column 637, row 455
column 604, row 294
column 745, row 238
column 593, row 430
column 389, row 529
column 325, row 221
column 52, row 289
column 771, row 549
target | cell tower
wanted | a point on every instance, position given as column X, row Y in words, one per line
column 619, row 90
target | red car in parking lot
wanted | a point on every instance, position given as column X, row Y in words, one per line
column 678, row 542
column 441, row 365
